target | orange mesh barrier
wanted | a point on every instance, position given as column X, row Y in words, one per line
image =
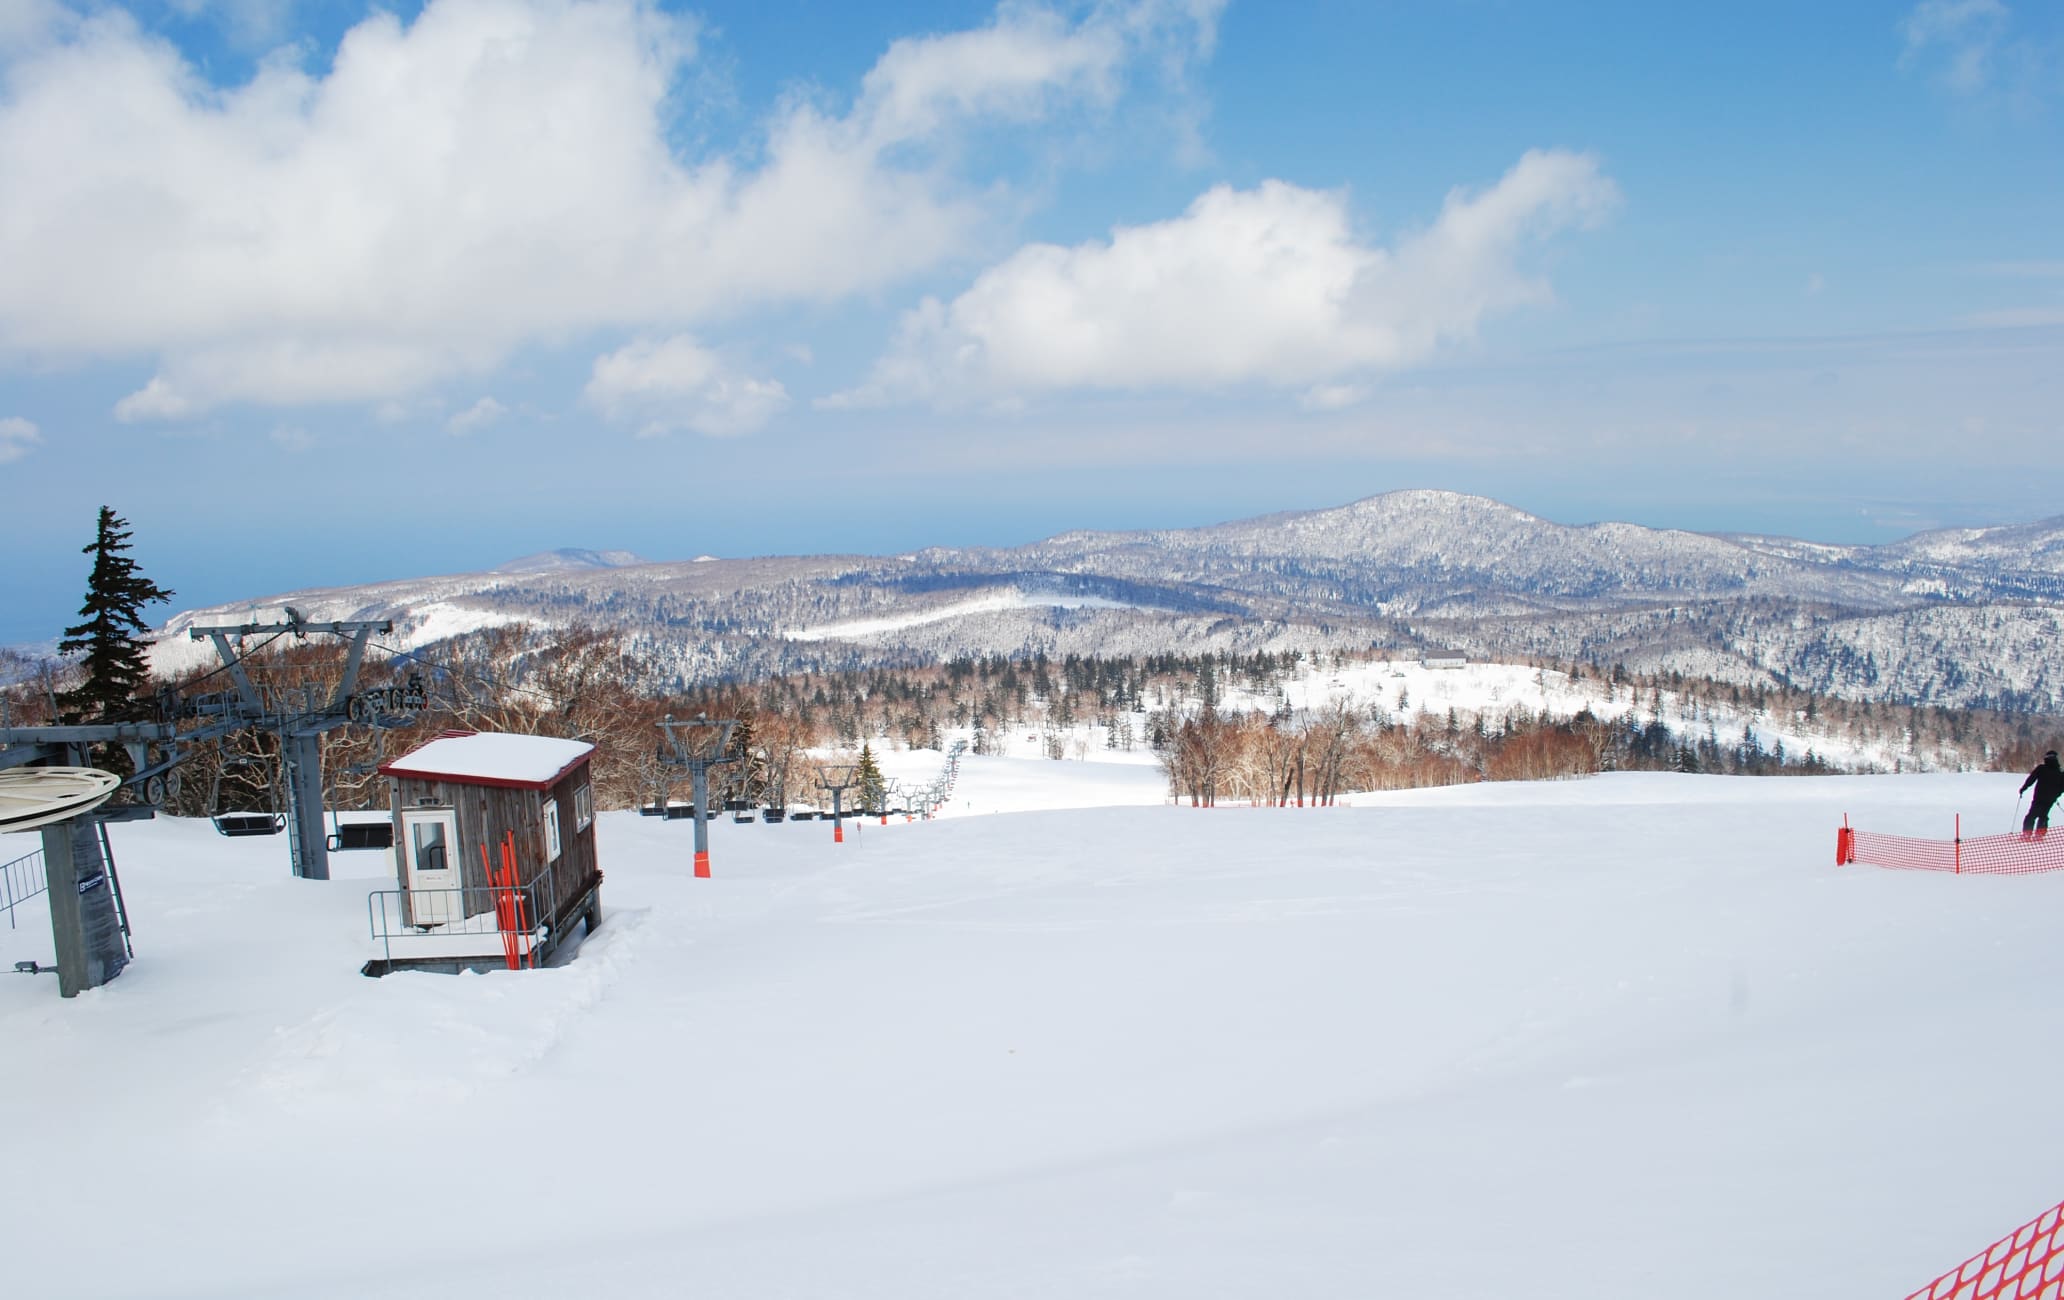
column 2026, row 1264
column 2013, row 854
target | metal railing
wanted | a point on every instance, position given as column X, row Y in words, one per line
column 438, row 913
column 21, row 880
column 464, row 918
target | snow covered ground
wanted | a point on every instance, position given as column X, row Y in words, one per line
column 1007, row 599
column 1628, row 1036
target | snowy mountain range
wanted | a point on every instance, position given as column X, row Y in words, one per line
column 1953, row 617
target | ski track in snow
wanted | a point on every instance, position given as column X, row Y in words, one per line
column 430, row 1037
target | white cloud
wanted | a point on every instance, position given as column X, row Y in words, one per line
column 25, row 24
column 476, row 417
column 664, row 385
column 17, row 438
column 156, row 400
column 1266, row 286
column 1010, row 70
column 291, row 371
column 292, row 437
column 1966, row 33
column 490, row 174
column 1333, row 397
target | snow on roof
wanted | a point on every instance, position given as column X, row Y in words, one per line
column 492, row 758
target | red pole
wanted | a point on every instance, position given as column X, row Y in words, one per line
column 1960, row 844
column 515, row 919
column 517, row 904
column 702, row 870
column 501, row 906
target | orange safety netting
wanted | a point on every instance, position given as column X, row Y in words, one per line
column 2026, row 1264
column 2012, row 854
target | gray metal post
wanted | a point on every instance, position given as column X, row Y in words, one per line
column 698, row 745
column 310, row 846
column 837, row 778
column 83, row 923
column 698, row 787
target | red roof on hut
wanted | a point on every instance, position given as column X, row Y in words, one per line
column 493, row 758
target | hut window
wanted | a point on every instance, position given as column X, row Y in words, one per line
column 551, row 829
column 583, row 807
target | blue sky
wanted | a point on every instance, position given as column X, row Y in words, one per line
column 319, row 293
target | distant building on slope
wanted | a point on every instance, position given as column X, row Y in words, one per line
column 1443, row 659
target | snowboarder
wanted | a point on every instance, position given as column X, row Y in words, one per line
column 2048, row 779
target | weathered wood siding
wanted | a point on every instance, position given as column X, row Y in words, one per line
column 577, row 866
column 487, row 813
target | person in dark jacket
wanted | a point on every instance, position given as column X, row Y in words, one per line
column 2048, row 780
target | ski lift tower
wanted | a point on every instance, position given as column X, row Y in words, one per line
column 299, row 723
column 837, row 778
column 925, row 800
column 156, row 748
column 698, row 745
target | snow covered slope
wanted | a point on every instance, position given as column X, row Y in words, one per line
column 1624, row 1037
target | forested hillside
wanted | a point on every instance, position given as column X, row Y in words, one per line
column 1260, row 727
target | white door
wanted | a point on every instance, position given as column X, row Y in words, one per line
column 433, row 874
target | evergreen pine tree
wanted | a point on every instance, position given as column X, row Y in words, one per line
column 115, row 593
column 867, row 778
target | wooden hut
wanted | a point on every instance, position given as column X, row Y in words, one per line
column 465, row 790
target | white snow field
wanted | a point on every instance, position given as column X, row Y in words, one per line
column 1628, row 1036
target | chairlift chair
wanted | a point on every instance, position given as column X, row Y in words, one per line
column 346, row 836
column 361, row 835
column 239, row 822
